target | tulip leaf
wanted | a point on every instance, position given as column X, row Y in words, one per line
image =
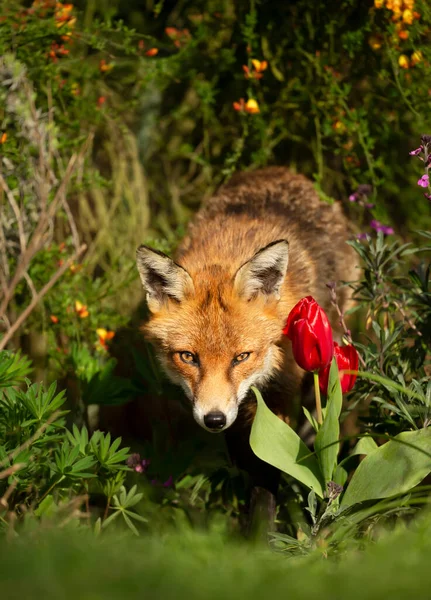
column 326, row 443
column 394, row 468
column 365, row 446
column 275, row 442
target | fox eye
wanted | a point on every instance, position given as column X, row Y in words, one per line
column 189, row 358
column 241, row 357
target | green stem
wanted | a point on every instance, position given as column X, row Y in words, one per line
column 317, row 396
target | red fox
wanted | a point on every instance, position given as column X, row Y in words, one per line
column 262, row 243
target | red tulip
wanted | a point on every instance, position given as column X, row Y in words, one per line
column 347, row 359
column 309, row 330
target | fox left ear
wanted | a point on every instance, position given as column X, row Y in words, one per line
column 162, row 278
column 264, row 272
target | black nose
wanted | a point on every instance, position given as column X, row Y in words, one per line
column 215, row 420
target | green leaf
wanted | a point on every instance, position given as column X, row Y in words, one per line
column 326, row 443
column 273, row 441
column 394, row 468
column 365, row 446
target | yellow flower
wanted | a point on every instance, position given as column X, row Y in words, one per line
column 252, row 107
column 81, row 309
column 403, row 61
column 378, row 3
column 409, row 4
column 408, row 16
column 416, row 57
column 104, row 336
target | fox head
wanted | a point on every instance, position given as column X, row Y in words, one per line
column 216, row 330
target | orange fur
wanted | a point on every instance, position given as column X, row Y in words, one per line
column 215, row 321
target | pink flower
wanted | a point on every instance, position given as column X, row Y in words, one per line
column 416, row 152
column 424, row 181
column 380, row 227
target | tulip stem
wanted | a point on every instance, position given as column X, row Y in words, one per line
column 317, row 396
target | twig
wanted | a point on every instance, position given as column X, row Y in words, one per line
column 11, row 470
column 16, row 211
column 407, row 318
column 36, row 241
column 23, row 316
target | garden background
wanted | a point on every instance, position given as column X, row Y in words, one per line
column 116, row 120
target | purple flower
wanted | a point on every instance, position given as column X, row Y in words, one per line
column 353, row 197
column 362, row 236
column 380, row 227
column 134, row 462
column 416, row 152
column 369, row 205
column 169, row 482
column 424, row 181
column 428, row 196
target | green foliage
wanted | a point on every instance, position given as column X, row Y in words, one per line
column 43, row 465
column 276, row 442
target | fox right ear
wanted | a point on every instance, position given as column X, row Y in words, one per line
column 162, row 278
column 265, row 272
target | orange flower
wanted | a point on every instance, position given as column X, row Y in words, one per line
column 101, row 101
column 375, row 42
column 53, row 318
column 178, row 36
column 104, row 337
column 252, row 107
column 403, row 34
column 3, row 138
column 403, row 61
column 81, row 309
column 152, row 52
column 240, row 105
column 75, row 268
column 259, row 65
column 105, row 67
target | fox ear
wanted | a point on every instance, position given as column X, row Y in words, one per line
column 162, row 278
column 264, row 272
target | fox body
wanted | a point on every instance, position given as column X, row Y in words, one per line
column 217, row 311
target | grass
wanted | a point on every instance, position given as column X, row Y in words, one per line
column 76, row 564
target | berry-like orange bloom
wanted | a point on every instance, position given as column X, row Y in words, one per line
column 152, row 52
column 240, row 105
column 101, row 101
column 403, row 34
column 81, row 309
column 53, row 318
column 105, row 67
column 3, row 138
column 104, row 337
